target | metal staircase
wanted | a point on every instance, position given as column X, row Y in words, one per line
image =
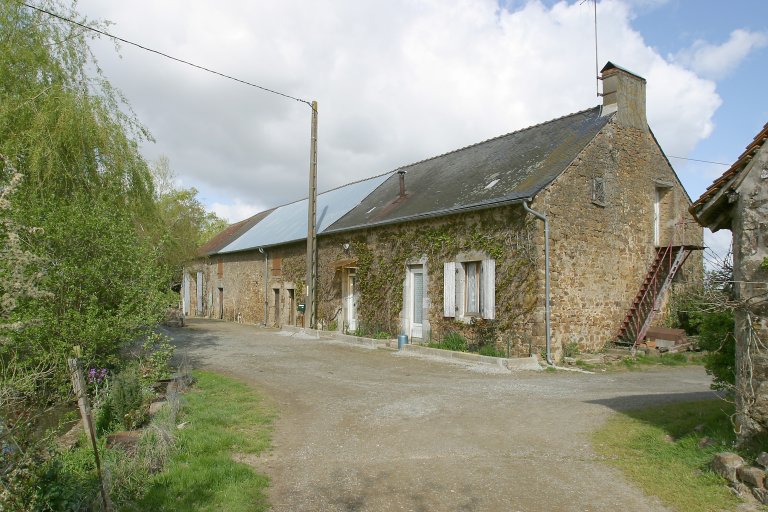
column 649, row 299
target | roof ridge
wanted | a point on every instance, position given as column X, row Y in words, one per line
column 531, row 127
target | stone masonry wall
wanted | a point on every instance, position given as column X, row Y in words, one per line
column 600, row 253
column 382, row 255
column 750, row 272
column 241, row 284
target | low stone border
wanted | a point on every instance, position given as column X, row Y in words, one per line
column 512, row 364
column 744, row 479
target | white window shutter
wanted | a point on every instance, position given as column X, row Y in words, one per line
column 489, row 289
column 449, row 289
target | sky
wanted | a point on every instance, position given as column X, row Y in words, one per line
column 404, row 80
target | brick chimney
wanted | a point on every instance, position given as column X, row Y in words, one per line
column 624, row 93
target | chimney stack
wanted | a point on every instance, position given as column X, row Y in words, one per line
column 402, row 182
column 624, row 93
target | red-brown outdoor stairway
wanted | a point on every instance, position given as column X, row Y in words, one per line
column 648, row 301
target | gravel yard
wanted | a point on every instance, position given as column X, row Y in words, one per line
column 362, row 429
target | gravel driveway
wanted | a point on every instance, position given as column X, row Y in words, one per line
column 373, row 430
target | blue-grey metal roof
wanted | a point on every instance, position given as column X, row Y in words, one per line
column 288, row 223
column 505, row 169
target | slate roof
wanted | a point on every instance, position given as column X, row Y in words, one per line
column 288, row 223
column 501, row 170
column 230, row 234
column 707, row 208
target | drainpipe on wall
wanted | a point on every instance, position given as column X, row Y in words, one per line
column 547, row 328
column 266, row 284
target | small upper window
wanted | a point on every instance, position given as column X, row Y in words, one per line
column 598, row 191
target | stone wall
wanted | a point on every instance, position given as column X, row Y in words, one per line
column 750, row 230
column 601, row 248
column 381, row 257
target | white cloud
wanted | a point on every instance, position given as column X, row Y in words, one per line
column 235, row 211
column 403, row 82
column 717, row 61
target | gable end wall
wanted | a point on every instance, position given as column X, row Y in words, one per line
column 601, row 254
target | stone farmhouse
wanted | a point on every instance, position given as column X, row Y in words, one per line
column 738, row 201
column 565, row 233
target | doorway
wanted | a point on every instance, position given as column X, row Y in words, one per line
column 221, row 303
column 351, row 300
column 291, row 306
column 416, row 301
column 276, row 291
column 199, row 294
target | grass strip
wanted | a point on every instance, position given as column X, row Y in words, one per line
column 667, row 450
column 223, row 417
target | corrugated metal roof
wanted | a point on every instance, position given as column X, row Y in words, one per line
column 288, row 223
column 504, row 169
column 230, row 234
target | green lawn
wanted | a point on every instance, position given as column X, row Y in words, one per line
column 225, row 417
column 658, row 448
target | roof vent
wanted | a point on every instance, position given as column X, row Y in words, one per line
column 402, row 182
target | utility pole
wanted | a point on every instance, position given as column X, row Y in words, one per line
column 311, row 304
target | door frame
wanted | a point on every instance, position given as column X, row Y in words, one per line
column 350, row 298
column 413, row 329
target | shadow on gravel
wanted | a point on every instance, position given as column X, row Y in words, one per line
column 187, row 340
column 633, row 402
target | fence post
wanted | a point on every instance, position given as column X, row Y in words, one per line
column 78, row 385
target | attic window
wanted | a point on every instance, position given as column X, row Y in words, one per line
column 491, row 184
column 598, row 191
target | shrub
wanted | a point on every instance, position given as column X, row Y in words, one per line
column 454, row 341
column 571, row 349
column 124, row 405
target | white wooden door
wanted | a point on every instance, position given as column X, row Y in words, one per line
column 416, row 302
column 351, row 301
column 185, row 297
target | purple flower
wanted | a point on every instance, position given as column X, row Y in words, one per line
column 97, row 376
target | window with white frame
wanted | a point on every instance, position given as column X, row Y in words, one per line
column 473, row 292
column 469, row 289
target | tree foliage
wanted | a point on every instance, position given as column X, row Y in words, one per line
column 112, row 232
column 707, row 313
column 185, row 224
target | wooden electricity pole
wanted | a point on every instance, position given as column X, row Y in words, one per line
column 311, row 303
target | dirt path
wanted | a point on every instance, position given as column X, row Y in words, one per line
column 371, row 430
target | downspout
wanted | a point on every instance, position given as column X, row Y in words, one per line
column 548, row 330
column 266, row 284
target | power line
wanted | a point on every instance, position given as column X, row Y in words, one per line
column 696, row 160
column 137, row 45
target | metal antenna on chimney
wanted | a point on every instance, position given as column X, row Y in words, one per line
column 597, row 65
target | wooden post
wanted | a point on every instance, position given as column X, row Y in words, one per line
column 78, row 384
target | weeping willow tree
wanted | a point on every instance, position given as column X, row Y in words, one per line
column 68, row 130
column 86, row 186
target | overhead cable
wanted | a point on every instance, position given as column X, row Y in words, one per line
column 167, row 56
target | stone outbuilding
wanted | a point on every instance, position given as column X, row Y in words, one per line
column 738, row 201
column 564, row 234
